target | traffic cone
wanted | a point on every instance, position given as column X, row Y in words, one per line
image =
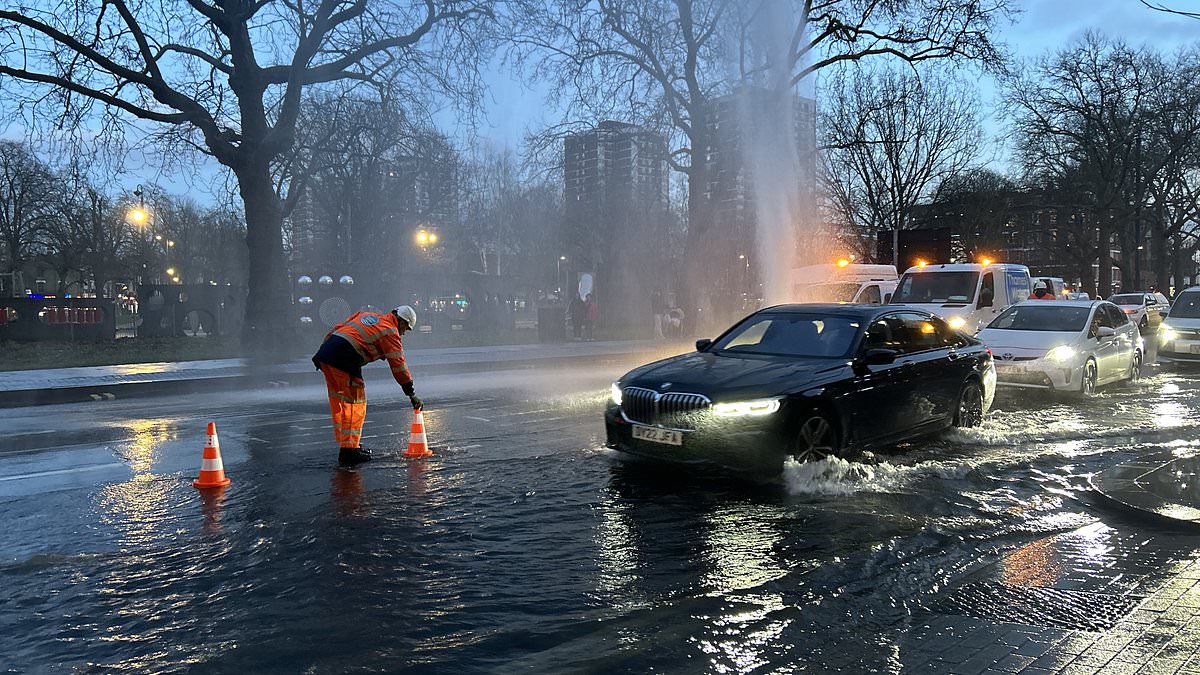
column 417, row 446
column 212, row 472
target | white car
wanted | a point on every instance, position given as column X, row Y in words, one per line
column 1179, row 334
column 1145, row 310
column 1064, row 345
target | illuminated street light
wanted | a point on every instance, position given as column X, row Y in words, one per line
column 170, row 243
column 171, row 271
column 138, row 215
column 422, row 237
column 175, row 279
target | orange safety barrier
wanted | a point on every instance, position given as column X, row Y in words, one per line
column 212, row 471
column 417, row 445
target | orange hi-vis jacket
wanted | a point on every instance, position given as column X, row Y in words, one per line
column 376, row 336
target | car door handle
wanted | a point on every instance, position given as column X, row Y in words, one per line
column 956, row 356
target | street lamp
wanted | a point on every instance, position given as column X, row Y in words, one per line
column 558, row 274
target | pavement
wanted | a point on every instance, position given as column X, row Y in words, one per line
column 62, row 385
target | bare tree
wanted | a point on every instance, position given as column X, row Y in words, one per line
column 228, row 77
column 1163, row 7
column 27, row 203
column 891, row 137
column 1077, row 116
column 663, row 62
column 978, row 204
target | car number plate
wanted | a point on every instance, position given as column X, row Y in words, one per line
column 656, row 435
column 1007, row 368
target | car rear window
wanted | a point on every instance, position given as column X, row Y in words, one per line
column 1128, row 299
column 1028, row 316
column 778, row 334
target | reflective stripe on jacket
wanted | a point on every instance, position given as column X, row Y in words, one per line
column 376, row 336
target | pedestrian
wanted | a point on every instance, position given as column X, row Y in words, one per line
column 360, row 339
column 658, row 305
column 578, row 311
column 592, row 312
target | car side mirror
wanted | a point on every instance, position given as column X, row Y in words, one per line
column 986, row 297
column 1105, row 331
column 702, row 344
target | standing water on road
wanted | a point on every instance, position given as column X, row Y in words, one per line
column 522, row 544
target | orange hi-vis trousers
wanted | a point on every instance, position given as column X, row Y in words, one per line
column 347, row 404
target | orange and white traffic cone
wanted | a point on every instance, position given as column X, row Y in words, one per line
column 417, row 445
column 212, row 471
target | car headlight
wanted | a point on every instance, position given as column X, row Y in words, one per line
column 957, row 322
column 1061, row 354
column 755, row 408
column 615, row 393
column 1166, row 334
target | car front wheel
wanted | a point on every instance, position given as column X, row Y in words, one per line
column 1135, row 368
column 1087, row 387
column 970, row 406
column 817, row 439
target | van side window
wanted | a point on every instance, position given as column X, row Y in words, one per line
column 870, row 295
column 987, row 289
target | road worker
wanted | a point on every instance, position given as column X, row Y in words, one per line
column 362, row 338
column 1041, row 292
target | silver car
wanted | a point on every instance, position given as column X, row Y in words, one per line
column 1064, row 345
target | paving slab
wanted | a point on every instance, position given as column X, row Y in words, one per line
column 1165, row 485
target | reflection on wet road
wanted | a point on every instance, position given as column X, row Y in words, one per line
column 523, row 544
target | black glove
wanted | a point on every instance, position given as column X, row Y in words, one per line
column 416, row 401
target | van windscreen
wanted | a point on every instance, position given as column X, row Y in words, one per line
column 936, row 287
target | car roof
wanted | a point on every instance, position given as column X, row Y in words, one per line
column 1065, row 303
column 838, row 309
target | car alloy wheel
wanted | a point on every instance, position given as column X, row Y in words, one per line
column 817, row 439
column 1088, row 386
column 970, row 406
column 1135, row 368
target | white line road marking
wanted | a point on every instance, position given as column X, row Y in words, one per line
column 39, row 474
column 478, row 419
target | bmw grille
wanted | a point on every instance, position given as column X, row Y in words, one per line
column 674, row 410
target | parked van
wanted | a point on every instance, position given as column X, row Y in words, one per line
column 968, row 296
column 844, row 282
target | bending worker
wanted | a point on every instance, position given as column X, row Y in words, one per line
column 353, row 343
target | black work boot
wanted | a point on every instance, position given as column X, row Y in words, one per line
column 354, row 455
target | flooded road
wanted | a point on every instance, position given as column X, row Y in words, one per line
column 523, row 544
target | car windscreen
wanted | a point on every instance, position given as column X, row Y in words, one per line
column 833, row 292
column 1187, row 306
column 1029, row 316
column 1128, row 299
column 936, row 287
column 787, row 334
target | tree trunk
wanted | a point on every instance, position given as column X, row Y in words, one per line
column 1159, row 257
column 1104, row 259
column 265, row 333
column 695, row 296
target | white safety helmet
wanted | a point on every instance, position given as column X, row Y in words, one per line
column 1040, row 284
column 408, row 314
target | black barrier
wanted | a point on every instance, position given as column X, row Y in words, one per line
column 190, row 310
column 36, row 319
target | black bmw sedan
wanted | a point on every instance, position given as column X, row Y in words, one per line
column 803, row 381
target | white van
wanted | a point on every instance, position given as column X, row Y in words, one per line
column 852, row 282
column 968, row 296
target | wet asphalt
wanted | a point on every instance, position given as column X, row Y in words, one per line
column 522, row 544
